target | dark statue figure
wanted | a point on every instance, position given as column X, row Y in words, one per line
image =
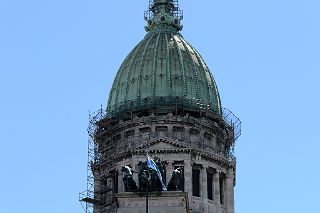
column 155, row 180
column 143, row 176
column 155, row 183
column 129, row 183
column 161, row 167
column 174, row 180
column 149, row 179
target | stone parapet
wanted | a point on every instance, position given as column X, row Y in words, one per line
column 162, row 202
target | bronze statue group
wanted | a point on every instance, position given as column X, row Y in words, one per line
column 150, row 177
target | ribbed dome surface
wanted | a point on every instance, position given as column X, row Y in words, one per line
column 163, row 69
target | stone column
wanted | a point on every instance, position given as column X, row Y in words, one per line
column 97, row 194
column 120, row 182
column 216, row 187
column 188, row 179
column 230, row 191
column 97, row 188
column 204, row 190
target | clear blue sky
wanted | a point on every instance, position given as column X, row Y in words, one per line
column 58, row 59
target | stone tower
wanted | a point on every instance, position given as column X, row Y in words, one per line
column 163, row 99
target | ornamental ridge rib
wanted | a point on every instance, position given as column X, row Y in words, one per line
column 182, row 67
column 129, row 74
column 208, row 92
column 168, row 70
column 197, row 55
column 217, row 96
column 154, row 73
column 195, row 69
column 141, row 67
column 116, row 80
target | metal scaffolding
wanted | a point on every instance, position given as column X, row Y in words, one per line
column 174, row 10
column 93, row 197
column 88, row 198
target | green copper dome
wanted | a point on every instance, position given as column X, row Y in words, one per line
column 163, row 69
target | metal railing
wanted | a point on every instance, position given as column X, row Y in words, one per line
column 175, row 11
column 159, row 101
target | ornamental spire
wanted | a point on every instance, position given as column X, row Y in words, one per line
column 163, row 13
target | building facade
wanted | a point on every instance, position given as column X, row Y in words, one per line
column 163, row 100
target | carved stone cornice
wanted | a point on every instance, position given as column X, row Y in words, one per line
column 169, row 146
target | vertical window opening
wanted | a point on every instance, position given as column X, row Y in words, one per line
column 221, row 183
column 196, row 182
column 210, row 185
column 114, row 181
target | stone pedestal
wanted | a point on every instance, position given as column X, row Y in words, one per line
column 164, row 202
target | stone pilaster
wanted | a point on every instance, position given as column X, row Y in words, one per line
column 204, row 189
column 188, row 178
column 97, row 188
column 230, row 191
column 120, row 182
column 135, row 173
column 216, row 187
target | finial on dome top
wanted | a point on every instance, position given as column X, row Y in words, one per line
column 163, row 13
